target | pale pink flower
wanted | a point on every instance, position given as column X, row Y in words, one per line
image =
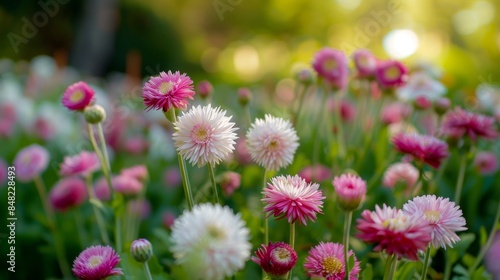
column 293, row 198
column 78, row 96
column 126, row 185
column 276, row 259
column 395, row 113
column 102, row 190
column 30, row 162
column 486, row 163
column 305, row 76
column 460, row 123
column 317, row 173
column 172, row 177
column 391, row 73
column 242, row 155
column 365, row 62
column 492, row 256
column 423, row 148
column 168, row 90
column 136, row 145
column 139, row 172
column 350, row 190
column 422, row 102
column 421, row 84
column 43, row 128
column 442, row 105
column 229, row 182
column 205, row 89
column 327, row 260
column 331, row 66
column 244, row 96
column 83, row 164
column 401, row 172
column 67, row 193
column 96, row 263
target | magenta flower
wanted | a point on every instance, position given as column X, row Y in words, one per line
column 393, row 231
column 327, row 260
column 168, row 219
column 459, row 123
column 84, row 164
column 331, row 66
column 229, row 182
column 318, row 173
column 102, row 190
column 126, row 185
column 293, row 198
column 347, row 109
column 30, row 162
column 365, row 62
column 486, row 163
column 391, row 73
column 276, row 259
column 444, row 217
column 78, row 96
column 67, row 193
column 139, row 172
column 205, row 89
column 423, row 148
column 351, row 191
column 168, row 90
column 395, row 112
column 96, row 263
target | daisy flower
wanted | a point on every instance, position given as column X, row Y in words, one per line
column 351, row 191
column 30, row 162
column 365, row 62
column 168, row 90
column 318, row 173
column 96, row 263
column 391, row 73
column 401, row 172
column 444, row 217
column 272, row 142
column 331, row 65
column 459, row 123
column 78, row 96
column 486, row 163
column 276, row 259
column 327, row 260
column 210, row 242
column 204, row 135
column 395, row 232
column 68, row 192
column 83, row 164
column 126, row 185
column 293, row 198
column 424, row 148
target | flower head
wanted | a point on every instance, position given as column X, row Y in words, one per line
column 365, row 62
column 317, row 173
column 229, row 182
column 351, row 191
column 126, row 185
column 331, row 66
column 141, row 250
column 421, row 85
column 244, row 96
column 139, row 172
column 293, row 198
column 168, row 219
column 305, row 76
column 486, row 163
column 395, row 232
column 276, row 259
column 68, row 192
column 327, row 260
column 30, row 162
column 347, row 109
column 460, row 123
column 204, row 135
column 391, row 73
column 444, row 217
column 272, row 142
column 424, row 148
column 395, row 112
column 205, row 89
column 210, row 242
column 78, row 96
column 167, row 90
column 83, row 164
column 401, row 172
column 101, row 189
column 96, row 263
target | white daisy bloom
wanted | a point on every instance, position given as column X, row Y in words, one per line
column 204, row 135
column 272, row 142
column 210, row 242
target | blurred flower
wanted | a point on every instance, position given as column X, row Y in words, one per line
column 205, row 89
column 293, row 198
column 460, row 123
column 168, row 219
column 96, row 263
column 347, row 110
column 442, row 105
column 172, row 177
column 139, row 172
column 421, row 84
column 365, row 62
column 395, row 112
column 244, row 96
column 272, row 142
column 139, row 207
column 391, row 73
column 401, row 172
column 43, row 128
column 229, row 182
column 78, row 96
column 204, row 135
column 400, row 127
column 126, row 185
column 327, row 260
column 331, row 66
column 423, row 148
column 305, row 76
column 30, row 162
column 101, row 189
column 422, row 103
column 492, row 256
column 242, row 155
column 444, row 217
column 84, row 164
column 318, row 173
column 141, row 250
column 210, row 242
column 350, row 190
column 486, row 163
column 68, row 192
column 276, row 259
column 168, row 90
column 3, row 172
column 386, row 225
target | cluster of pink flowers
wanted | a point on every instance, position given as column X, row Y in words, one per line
column 460, row 123
column 423, row 148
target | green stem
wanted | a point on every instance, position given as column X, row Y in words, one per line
column 388, row 266
column 426, row 262
column 338, row 125
column 81, row 228
column 51, row 222
column 214, row 184
column 394, row 265
column 266, row 223
column 347, row 230
column 319, row 122
column 182, row 166
column 146, row 271
column 301, row 105
column 248, row 118
column 292, row 244
column 461, row 176
column 99, row 219
column 380, row 170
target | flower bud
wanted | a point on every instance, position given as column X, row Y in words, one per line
column 94, row 114
column 141, row 250
column 205, row 89
column 244, row 96
column 305, row 76
column 442, row 105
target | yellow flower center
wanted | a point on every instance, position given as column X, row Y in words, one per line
column 76, row 96
column 165, row 87
column 94, row 261
column 281, row 254
column 200, row 134
column 332, row 265
column 273, row 144
column 215, row 232
column 392, row 73
column 432, row 216
column 395, row 223
column 329, row 65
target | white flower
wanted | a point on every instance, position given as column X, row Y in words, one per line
column 421, row 84
column 210, row 242
column 204, row 135
column 272, row 142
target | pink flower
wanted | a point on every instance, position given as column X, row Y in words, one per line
column 168, row 219
column 393, row 231
column 401, row 172
column 30, row 162
column 351, row 191
column 276, row 259
column 327, row 260
column 139, row 207
column 492, row 256
column 423, row 148
column 242, row 155
column 205, row 89
column 78, row 96
column 305, row 76
column 136, row 145
column 391, row 73
column 168, row 90
column 395, row 112
column 318, row 173
column 43, row 128
column 102, row 190
column 347, row 110
column 83, row 164
column 444, row 217
column 139, row 172
column 486, row 163
column 331, row 66
column 96, row 263
column 244, row 96
column 365, row 62
column 442, row 105
column 229, row 182
column 126, row 185
column 422, row 102
column 172, row 177
column 68, row 192
column 459, row 123
column 421, row 84
column 293, row 198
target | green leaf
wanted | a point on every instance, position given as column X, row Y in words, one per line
column 459, row 249
column 367, row 273
column 406, row 271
